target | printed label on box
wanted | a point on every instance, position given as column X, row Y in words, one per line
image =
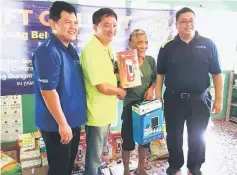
column 129, row 71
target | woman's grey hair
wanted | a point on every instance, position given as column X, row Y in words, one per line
column 135, row 33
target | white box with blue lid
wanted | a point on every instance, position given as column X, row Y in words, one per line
column 147, row 121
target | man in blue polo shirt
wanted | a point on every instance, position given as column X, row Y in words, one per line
column 185, row 63
column 60, row 96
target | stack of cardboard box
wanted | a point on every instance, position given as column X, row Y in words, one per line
column 43, row 152
column 29, row 151
column 111, row 151
column 81, row 153
column 33, row 156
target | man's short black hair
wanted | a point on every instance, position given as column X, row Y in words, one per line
column 103, row 12
column 57, row 8
column 183, row 10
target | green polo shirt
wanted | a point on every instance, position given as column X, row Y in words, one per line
column 98, row 69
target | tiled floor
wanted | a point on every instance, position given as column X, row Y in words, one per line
column 221, row 155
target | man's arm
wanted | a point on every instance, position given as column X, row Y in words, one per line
column 50, row 75
column 108, row 89
column 149, row 93
column 152, row 87
column 159, row 86
column 91, row 63
column 161, row 71
column 218, row 84
column 52, row 102
column 215, row 70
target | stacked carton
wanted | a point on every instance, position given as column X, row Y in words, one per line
column 116, row 144
column 112, row 150
column 108, row 150
column 81, row 153
column 33, row 157
column 29, row 150
column 43, row 152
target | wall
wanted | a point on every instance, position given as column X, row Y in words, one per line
column 28, row 100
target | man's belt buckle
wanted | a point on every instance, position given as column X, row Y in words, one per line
column 184, row 95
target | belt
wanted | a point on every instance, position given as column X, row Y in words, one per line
column 185, row 95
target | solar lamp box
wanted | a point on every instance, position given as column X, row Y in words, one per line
column 147, row 121
column 81, row 152
column 129, row 71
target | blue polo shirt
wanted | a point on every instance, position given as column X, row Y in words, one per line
column 186, row 67
column 57, row 67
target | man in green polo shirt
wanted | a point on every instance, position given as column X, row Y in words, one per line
column 101, row 87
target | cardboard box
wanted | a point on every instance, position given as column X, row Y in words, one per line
column 108, row 150
column 78, row 170
column 29, row 164
column 158, row 149
column 42, row 145
column 44, row 159
column 36, row 171
column 81, row 153
column 147, row 121
column 26, row 141
column 129, row 71
column 116, row 144
column 30, row 153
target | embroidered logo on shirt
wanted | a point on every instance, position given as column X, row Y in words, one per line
column 43, row 80
column 201, row 47
column 77, row 61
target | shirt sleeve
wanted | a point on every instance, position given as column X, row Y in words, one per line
column 47, row 69
column 215, row 67
column 91, row 63
column 161, row 61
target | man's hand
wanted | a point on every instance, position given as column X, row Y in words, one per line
column 122, row 93
column 149, row 94
column 217, row 106
column 65, row 132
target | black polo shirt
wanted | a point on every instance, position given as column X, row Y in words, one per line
column 186, row 67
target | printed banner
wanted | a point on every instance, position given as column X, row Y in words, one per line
column 25, row 26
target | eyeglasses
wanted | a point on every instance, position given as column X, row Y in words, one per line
column 186, row 22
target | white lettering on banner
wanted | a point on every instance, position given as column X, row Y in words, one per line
column 19, row 76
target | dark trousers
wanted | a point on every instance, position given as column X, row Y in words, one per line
column 61, row 157
column 195, row 110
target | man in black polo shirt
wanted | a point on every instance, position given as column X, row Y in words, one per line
column 185, row 63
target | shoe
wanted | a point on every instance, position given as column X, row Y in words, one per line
column 172, row 171
column 195, row 172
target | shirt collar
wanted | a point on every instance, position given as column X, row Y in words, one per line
column 53, row 37
column 97, row 41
